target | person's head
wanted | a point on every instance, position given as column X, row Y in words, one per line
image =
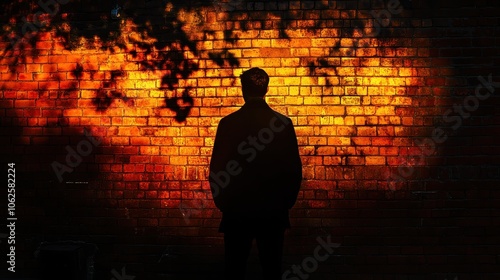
column 254, row 83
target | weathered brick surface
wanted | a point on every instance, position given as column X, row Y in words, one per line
column 400, row 159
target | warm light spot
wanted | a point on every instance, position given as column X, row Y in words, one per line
column 346, row 96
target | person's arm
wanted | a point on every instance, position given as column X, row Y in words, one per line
column 217, row 165
column 294, row 178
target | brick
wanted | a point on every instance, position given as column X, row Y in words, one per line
column 139, row 141
column 189, row 151
column 274, row 52
column 300, row 52
column 119, row 141
column 358, row 104
column 261, row 43
column 24, row 103
column 375, row 160
column 178, row 160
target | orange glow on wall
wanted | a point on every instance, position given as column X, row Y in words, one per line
column 351, row 99
column 110, row 123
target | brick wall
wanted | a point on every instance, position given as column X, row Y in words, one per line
column 111, row 122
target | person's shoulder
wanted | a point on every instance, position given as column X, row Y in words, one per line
column 283, row 118
column 280, row 115
column 230, row 117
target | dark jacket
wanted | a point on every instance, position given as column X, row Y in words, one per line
column 255, row 170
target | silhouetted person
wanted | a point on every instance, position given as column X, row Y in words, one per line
column 255, row 176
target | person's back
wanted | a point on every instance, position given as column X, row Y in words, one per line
column 255, row 170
